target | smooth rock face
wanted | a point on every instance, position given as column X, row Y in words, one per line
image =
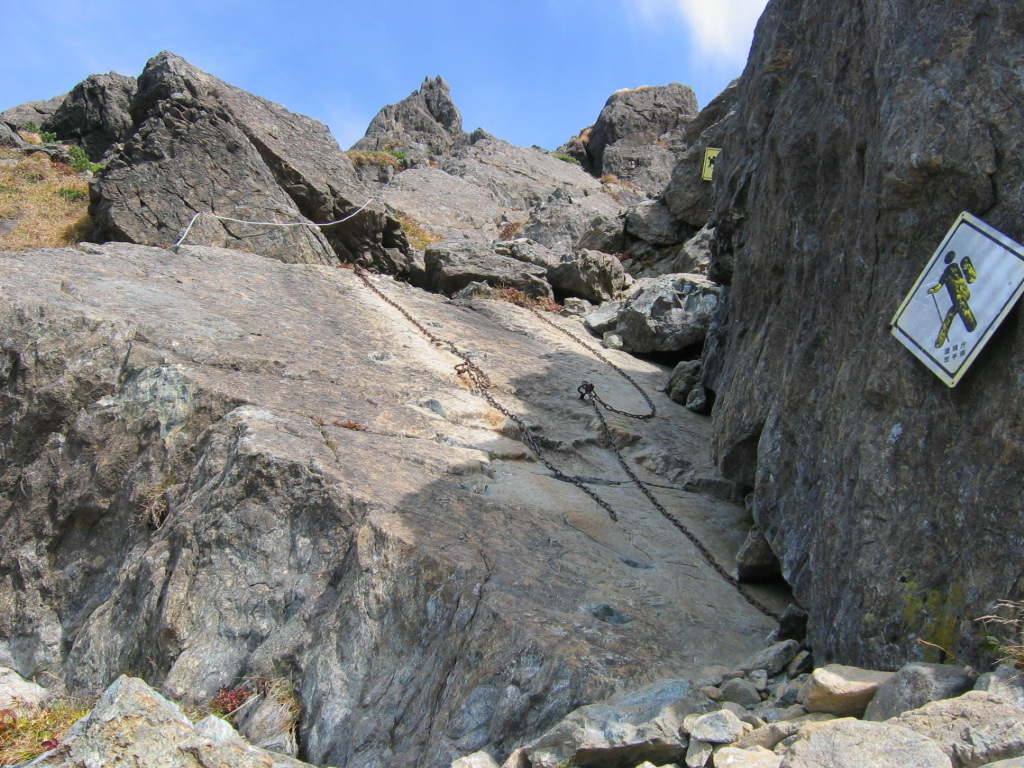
column 857, row 744
column 95, row 114
column 914, row 685
column 973, row 729
column 860, row 134
column 197, row 144
column 841, row 690
column 220, row 466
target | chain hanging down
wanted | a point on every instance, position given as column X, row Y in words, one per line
column 481, row 384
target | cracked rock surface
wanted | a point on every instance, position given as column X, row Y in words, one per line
column 217, row 465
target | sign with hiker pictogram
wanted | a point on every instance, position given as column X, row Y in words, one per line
column 969, row 286
column 707, row 170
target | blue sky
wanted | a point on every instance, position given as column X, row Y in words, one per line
column 528, row 71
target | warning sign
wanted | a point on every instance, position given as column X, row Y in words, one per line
column 969, row 286
column 708, row 169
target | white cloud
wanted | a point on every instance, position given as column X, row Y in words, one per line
column 721, row 29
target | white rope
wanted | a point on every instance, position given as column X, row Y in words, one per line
column 269, row 223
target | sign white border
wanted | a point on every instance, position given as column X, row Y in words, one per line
column 923, row 349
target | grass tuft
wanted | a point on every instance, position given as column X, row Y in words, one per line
column 1004, row 632
column 419, row 237
column 42, row 203
column 30, row 731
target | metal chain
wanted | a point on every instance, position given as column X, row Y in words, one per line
column 481, row 384
column 701, row 547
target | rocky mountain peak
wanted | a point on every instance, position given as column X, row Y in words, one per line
column 426, row 120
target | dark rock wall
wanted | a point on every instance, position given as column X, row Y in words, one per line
column 863, row 129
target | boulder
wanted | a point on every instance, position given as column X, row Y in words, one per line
column 916, row 684
column 833, row 191
column 627, row 730
column 1005, row 681
column 198, row 144
column 652, row 222
column 667, row 314
column 772, row 659
column 721, row 727
column 973, row 729
column 564, row 218
column 16, row 691
column 841, row 690
column 856, row 744
column 476, row 760
column 95, row 114
column 590, row 275
column 453, row 264
column 749, row 757
column 9, row 137
column 741, row 692
column 755, row 561
column 32, row 112
column 134, row 725
column 685, row 376
column 637, row 132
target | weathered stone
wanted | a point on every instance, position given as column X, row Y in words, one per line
column 134, row 725
column 637, row 132
column 591, row 275
column 973, row 729
column 741, row 692
column 756, row 561
column 721, row 727
column 476, row 760
column 34, row 112
column 916, row 684
column 769, row 735
column 198, row 144
column 652, row 222
column 772, row 659
column 451, row 265
column 565, row 218
column 9, row 137
column 1013, row 762
column 1006, row 681
column 841, row 690
column 749, row 757
column 426, row 122
column 833, row 190
column 667, row 314
column 698, row 753
column 646, row 725
column 95, row 113
column 224, row 464
column 17, row 691
column 803, row 662
column 688, row 196
column 684, row 378
column 856, row 744
column 604, row 318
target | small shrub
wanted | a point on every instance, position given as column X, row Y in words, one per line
column 523, row 299
column 81, row 162
column 1003, row 632
column 379, row 159
column 566, row 158
column 419, row 237
column 511, row 230
column 72, row 195
column 228, row 700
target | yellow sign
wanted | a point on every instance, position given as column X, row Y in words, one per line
column 710, row 156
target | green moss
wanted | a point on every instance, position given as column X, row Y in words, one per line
column 934, row 615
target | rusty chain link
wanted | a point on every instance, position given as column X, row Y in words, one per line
column 481, row 384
